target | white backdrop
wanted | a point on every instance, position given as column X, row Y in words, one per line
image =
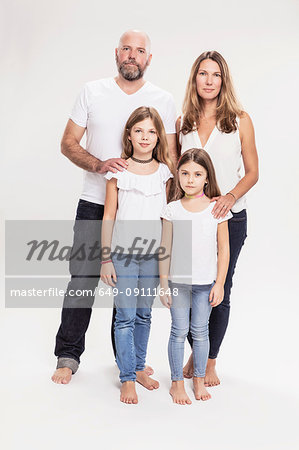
column 48, row 51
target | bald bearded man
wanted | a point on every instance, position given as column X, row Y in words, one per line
column 101, row 110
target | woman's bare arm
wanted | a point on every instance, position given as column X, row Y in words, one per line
column 250, row 159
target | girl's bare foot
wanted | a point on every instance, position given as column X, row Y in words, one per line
column 128, row 393
column 149, row 370
column 143, row 378
column 62, row 375
column 211, row 378
column 178, row 393
column 199, row 389
column 188, row 369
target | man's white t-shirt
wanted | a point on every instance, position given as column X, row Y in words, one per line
column 194, row 243
column 103, row 108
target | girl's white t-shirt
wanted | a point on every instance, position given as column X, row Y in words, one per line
column 194, row 243
column 141, row 199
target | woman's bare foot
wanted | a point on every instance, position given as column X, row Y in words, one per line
column 188, row 369
column 128, row 393
column 149, row 370
column 62, row 375
column 199, row 389
column 211, row 378
column 178, row 393
column 143, row 378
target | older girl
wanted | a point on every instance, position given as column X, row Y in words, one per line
column 134, row 201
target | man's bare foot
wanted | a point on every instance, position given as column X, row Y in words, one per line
column 178, row 393
column 211, row 378
column 188, row 369
column 200, row 391
column 149, row 370
column 128, row 393
column 143, row 378
column 62, row 375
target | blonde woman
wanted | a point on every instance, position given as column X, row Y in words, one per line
column 213, row 120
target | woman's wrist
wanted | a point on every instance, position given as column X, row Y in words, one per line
column 233, row 195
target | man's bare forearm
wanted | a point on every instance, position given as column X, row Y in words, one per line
column 79, row 156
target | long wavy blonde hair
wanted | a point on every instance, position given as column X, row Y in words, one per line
column 228, row 107
column 160, row 152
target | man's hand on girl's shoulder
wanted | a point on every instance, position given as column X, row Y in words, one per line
column 113, row 165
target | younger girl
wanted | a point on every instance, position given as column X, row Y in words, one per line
column 203, row 287
column 132, row 229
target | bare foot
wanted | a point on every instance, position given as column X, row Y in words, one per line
column 143, row 378
column 188, row 369
column 128, row 393
column 199, row 389
column 211, row 378
column 149, row 370
column 178, row 393
column 62, row 375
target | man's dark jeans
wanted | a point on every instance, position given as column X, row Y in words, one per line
column 85, row 275
column 237, row 227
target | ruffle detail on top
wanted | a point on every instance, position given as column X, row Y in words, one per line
column 146, row 184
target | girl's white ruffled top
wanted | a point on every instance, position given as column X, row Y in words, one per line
column 140, row 197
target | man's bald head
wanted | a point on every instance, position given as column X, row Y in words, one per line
column 137, row 36
column 133, row 54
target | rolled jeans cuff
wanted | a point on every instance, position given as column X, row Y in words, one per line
column 128, row 378
column 68, row 362
column 199, row 375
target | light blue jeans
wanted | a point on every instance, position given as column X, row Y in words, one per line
column 133, row 312
column 194, row 298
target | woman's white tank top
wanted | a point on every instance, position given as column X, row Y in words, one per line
column 224, row 150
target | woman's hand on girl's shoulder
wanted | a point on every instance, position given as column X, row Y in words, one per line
column 223, row 204
column 216, row 294
column 108, row 274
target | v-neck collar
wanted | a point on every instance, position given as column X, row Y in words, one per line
column 210, row 138
column 134, row 93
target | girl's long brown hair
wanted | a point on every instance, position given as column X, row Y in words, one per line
column 228, row 108
column 160, row 152
column 201, row 157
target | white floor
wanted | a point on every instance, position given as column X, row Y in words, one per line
column 255, row 407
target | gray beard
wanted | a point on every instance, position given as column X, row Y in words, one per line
column 130, row 74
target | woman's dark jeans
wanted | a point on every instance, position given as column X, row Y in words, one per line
column 237, row 227
column 85, row 275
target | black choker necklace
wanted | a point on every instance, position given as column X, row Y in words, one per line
column 142, row 161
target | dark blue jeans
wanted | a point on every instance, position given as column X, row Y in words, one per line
column 237, row 227
column 85, row 275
